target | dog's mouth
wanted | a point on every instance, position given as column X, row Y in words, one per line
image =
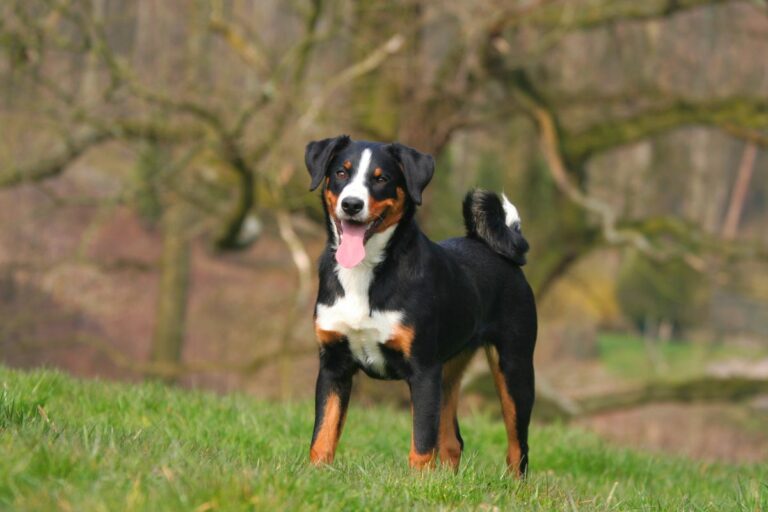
column 353, row 237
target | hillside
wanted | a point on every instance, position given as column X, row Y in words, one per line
column 90, row 445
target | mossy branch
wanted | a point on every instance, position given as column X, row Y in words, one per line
column 553, row 405
column 581, row 16
column 742, row 117
column 566, row 156
column 98, row 132
column 55, row 163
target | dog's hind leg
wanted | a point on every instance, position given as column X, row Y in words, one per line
column 450, row 444
column 513, row 375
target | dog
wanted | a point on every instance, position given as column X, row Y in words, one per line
column 396, row 305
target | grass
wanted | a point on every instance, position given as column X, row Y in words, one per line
column 77, row 445
column 627, row 356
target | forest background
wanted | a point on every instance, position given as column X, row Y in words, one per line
column 155, row 221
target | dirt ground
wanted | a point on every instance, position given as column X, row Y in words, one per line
column 711, row 432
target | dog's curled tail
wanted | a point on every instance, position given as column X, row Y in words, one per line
column 495, row 221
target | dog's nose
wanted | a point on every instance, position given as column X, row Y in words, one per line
column 351, row 205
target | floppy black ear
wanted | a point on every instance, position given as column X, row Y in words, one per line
column 418, row 168
column 319, row 154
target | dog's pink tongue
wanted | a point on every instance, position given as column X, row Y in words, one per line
column 351, row 250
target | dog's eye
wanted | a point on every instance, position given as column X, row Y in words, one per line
column 381, row 179
column 341, row 174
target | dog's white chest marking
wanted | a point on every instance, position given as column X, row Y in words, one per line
column 365, row 330
column 351, row 314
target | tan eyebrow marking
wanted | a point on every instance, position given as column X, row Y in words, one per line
column 347, row 165
column 377, row 172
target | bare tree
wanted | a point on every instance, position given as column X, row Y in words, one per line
column 251, row 83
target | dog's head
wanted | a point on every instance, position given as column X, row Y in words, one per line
column 369, row 187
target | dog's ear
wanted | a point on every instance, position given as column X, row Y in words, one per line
column 319, row 154
column 418, row 168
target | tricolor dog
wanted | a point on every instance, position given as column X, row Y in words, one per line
column 397, row 306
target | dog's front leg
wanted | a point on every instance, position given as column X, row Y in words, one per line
column 426, row 392
column 334, row 386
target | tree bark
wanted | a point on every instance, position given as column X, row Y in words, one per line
column 174, row 286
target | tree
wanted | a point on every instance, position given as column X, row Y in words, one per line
column 228, row 92
column 220, row 145
column 654, row 293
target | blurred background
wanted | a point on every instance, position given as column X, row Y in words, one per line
column 155, row 221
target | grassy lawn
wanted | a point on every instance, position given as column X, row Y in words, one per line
column 85, row 445
column 626, row 355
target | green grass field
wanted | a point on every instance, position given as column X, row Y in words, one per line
column 87, row 445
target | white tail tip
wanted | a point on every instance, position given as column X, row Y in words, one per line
column 511, row 217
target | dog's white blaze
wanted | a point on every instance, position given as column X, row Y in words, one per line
column 351, row 314
column 356, row 187
column 511, row 217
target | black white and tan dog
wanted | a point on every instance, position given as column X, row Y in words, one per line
column 397, row 306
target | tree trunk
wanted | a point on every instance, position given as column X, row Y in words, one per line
column 739, row 194
column 90, row 78
column 174, row 284
column 303, row 265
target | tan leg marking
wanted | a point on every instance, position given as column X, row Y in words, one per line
column 324, row 447
column 448, row 442
column 508, row 411
column 420, row 460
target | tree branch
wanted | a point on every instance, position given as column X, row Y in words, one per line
column 572, row 16
column 551, row 404
column 240, row 43
column 55, row 163
column 98, row 132
column 555, row 147
column 550, row 143
column 739, row 192
column 734, row 115
column 230, row 238
column 371, row 62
